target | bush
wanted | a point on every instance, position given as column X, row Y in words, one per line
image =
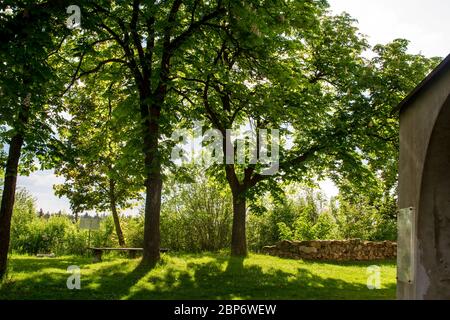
column 105, row 236
column 197, row 217
column 133, row 230
column 266, row 228
column 23, row 215
column 307, row 218
column 58, row 234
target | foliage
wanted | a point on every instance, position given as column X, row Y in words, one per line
column 24, row 214
column 302, row 216
column 57, row 233
column 30, row 89
column 263, row 226
column 308, row 83
column 308, row 216
column 196, row 216
column 309, row 78
column 31, row 35
column 365, row 221
column 133, row 229
column 98, row 146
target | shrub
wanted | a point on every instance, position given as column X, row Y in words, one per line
column 133, row 229
column 196, row 216
column 307, row 218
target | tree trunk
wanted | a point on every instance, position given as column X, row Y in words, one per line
column 113, row 206
column 7, row 205
column 152, row 214
column 238, row 191
column 9, row 187
column 238, row 235
column 153, row 184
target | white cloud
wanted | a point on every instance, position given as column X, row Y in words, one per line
column 40, row 185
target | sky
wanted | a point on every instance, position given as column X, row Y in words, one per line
column 425, row 23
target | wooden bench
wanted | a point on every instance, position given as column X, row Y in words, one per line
column 98, row 252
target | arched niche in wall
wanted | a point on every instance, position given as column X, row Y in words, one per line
column 433, row 221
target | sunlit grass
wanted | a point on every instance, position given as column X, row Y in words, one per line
column 195, row 276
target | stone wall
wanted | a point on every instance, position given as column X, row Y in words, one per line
column 337, row 250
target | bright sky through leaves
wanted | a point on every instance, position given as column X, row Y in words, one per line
column 424, row 23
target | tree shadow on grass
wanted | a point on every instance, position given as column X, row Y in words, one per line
column 216, row 277
column 31, row 264
column 212, row 281
column 115, row 282
column 47, row 279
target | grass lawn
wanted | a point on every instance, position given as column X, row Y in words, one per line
column 195, row 276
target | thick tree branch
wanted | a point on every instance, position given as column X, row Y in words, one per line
column 184, row 95
column 150, row 46
column 210, row 112
column 137, row 41
column 193, row 27
column 128, row 52
column 100, row 65
column 284, row 166
column 75, row 75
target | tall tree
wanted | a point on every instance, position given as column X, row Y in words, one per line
column 296, row 71
column 100, row 171
column 308, row 79
column 393, row 74
column 31, row 31
column 150, row 39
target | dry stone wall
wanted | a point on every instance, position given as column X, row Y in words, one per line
column 337, row 250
